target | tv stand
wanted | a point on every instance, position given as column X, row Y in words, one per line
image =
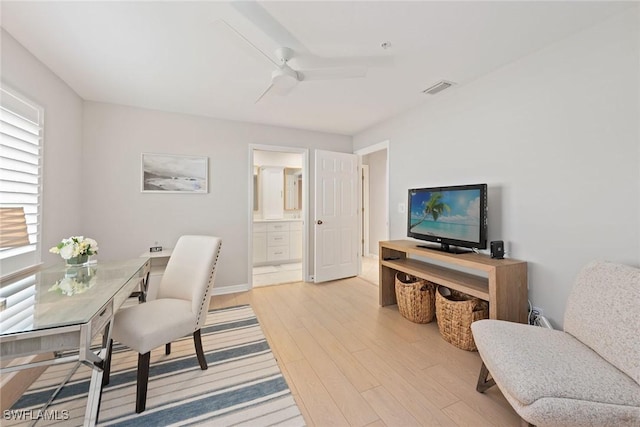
column 445, row 248
column 501, row 282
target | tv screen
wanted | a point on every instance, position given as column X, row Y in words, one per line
column 451, row 216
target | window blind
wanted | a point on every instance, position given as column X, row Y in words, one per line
column 21, row 128
column 17, row 302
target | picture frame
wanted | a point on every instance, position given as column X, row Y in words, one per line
column 171, row 173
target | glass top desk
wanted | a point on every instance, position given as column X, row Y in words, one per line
column 61, row 309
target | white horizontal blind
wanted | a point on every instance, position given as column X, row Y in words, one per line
column 21, row 128
column 18, row 300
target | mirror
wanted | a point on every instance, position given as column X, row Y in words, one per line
column 293, row 189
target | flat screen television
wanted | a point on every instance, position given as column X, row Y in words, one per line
column 452, row 216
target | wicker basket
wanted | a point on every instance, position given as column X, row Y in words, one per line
column 416, row 298
column 455, row 313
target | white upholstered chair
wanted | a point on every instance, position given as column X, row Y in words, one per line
column 179, row 309
column 586, row 375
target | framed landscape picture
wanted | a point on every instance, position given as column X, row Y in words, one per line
column 169, row 173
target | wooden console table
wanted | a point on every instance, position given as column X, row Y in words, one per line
column 504, row 287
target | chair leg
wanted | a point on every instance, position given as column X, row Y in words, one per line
column 107, row 364
column 483, row 382
column 167, row 348
column 202, row 360
column 143, row 379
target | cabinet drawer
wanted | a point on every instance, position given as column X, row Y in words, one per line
column 99, row 321
column 278, row 253
column 278, row 239
column 278, row 226
column 296, row 225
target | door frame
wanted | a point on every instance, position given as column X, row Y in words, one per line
column 364, row 196
column 305, row 205
column 384, row 145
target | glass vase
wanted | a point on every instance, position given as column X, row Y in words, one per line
column 77, row 261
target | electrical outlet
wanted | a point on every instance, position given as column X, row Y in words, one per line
column 538, row 311
column 155, row 249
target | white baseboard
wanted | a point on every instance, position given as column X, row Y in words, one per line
column 233, row 289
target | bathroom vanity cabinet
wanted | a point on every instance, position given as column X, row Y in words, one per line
column 277, row 242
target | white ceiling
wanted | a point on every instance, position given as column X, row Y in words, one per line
column 179, row 57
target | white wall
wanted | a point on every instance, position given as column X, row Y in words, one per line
column 126, row 222
column 377, row 162
column 556, row 137
column 62, row 206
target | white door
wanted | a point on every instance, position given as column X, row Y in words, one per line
column 336, row 216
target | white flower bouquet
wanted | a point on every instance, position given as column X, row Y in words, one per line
column 76, row 248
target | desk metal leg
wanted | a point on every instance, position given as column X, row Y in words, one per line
column 55, row 393
column 93, row 398
column 95, row 388
column 144, row 288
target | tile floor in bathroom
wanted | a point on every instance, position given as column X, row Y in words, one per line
column 277, row 274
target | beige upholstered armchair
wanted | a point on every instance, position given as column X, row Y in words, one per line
column 586, row 375
column 180, row 308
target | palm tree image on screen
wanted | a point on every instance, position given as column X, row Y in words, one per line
column 433, row 207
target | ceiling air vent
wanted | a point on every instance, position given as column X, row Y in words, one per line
column 438, row 87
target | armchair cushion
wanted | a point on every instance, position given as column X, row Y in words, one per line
column 171, row 318
column 535, row 363
column 586, row 375
column 550, row 377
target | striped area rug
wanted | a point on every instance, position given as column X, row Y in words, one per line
column 243, row 385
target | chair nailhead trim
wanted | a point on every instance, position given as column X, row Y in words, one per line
column 204, row 301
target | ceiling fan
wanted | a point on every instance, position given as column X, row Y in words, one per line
column 284, row 78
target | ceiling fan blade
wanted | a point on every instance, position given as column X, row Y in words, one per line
column 333, row 73
column 276, row 89
column 248, row 42
column 268, row 24
column 266, row 91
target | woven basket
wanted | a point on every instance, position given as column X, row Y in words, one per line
column 416, row 298
column 455, row 313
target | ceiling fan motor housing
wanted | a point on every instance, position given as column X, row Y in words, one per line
column 285, row 79
column 284, row 54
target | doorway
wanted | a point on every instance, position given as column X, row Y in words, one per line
column 278, row 215
column 374, row 161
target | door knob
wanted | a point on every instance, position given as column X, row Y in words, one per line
column 319, row 222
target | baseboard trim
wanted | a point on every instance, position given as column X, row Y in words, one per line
column 233, row 289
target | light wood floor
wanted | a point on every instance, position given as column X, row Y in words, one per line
column 350, row 362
